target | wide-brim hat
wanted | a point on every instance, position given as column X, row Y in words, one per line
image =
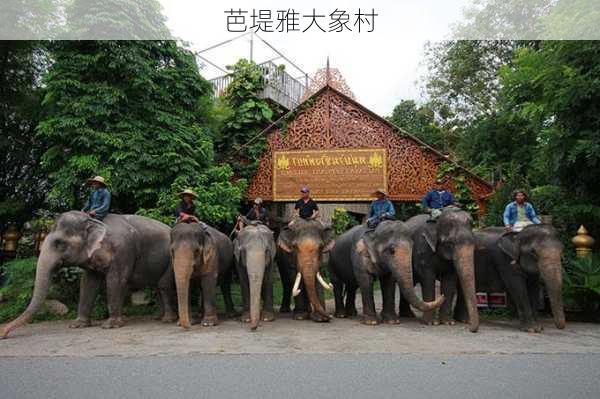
column 188, row 192
column 97, row 179
column 381, row 191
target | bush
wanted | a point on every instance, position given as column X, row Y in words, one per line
column 581, row 283
column 341, row 221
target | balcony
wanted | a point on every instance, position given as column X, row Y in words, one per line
column 280, row 87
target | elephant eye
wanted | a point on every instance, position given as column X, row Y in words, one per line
column 59, row 244
column 391, row 250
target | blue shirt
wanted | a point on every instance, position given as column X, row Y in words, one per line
column 511, row 213
column 381, row 207
column 437, row 200
column 98, row 201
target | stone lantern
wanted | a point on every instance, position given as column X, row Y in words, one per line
column 11, row 237
column 583, row 242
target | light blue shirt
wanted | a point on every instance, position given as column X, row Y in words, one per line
column 98, row 201
column 380, row 208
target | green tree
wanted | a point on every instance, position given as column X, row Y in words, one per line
column 421, row 122
column 557, row 89
column 240, row 138
column 21, row 181
column 134, row 112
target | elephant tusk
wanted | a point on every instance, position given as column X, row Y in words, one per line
column 296, row 289
column 325, row 284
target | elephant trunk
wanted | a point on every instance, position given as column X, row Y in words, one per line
column 183, row 267
column 464, row 263
column 309, row 277
column 402, row 272
column 551, row 275
column 46, row 264
column 255, row 265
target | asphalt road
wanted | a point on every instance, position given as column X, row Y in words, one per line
column 304, row 376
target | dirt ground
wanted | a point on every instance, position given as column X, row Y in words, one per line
column 143, row 336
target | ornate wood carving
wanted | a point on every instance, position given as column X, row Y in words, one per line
column 334, row 120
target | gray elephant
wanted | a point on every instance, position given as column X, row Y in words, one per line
column 444, row 250
column 515, row 263
column 128, row 251
column 254, row 250
column 362, row 254
column 201, row 255
column 306, row 241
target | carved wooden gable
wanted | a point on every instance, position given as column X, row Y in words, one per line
column 330, row 119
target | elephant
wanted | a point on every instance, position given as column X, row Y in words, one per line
column 306, row 241
column 127, row 251
column 515, row 263
column 444, row 250
column 360, row 255
column 201, row 255
column 254, row 250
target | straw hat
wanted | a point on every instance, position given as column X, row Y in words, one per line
column 188, row 191
column 380, row 190
column 97, row 179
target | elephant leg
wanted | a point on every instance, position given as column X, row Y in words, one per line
column 533, row 292
column 428, row 289
column 448, row 287
column 167, row 297
column 301, row 304
column 116, row 289
column 388, row 293
column 209, row 296
column 88, row 291
column 245, row 288
column 350, row 308
column 365, row 281
column 286, row 285
column 404, row 308
column 338, row 295
column 517, row 288
column 268, row 313
column 460, row 309
column 226, row 290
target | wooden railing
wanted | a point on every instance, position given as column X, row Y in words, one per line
column 280, row 86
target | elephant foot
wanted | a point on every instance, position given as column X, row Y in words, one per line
column 285, row 309
column 532, row 328
column 319, row 318
column 245, row 318
column 232, row 314
column 268, row 315
column 79, row 323
column 390, row 318
column 351, row 312
column 370, row 320
column 339, row 315
column 447, row 322
column 301, row 316
column 169, row 318
column 113, row 322
column 209, row 321
column 428, row 322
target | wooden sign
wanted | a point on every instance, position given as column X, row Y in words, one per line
column 332, row 175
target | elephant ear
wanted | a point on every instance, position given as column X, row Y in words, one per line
column 95, row 233
column 285, row 240
column 209, row 253
column 328, row 240
column 430, row 235
column 365, row 247
column 509, row 244
column 236, row 250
